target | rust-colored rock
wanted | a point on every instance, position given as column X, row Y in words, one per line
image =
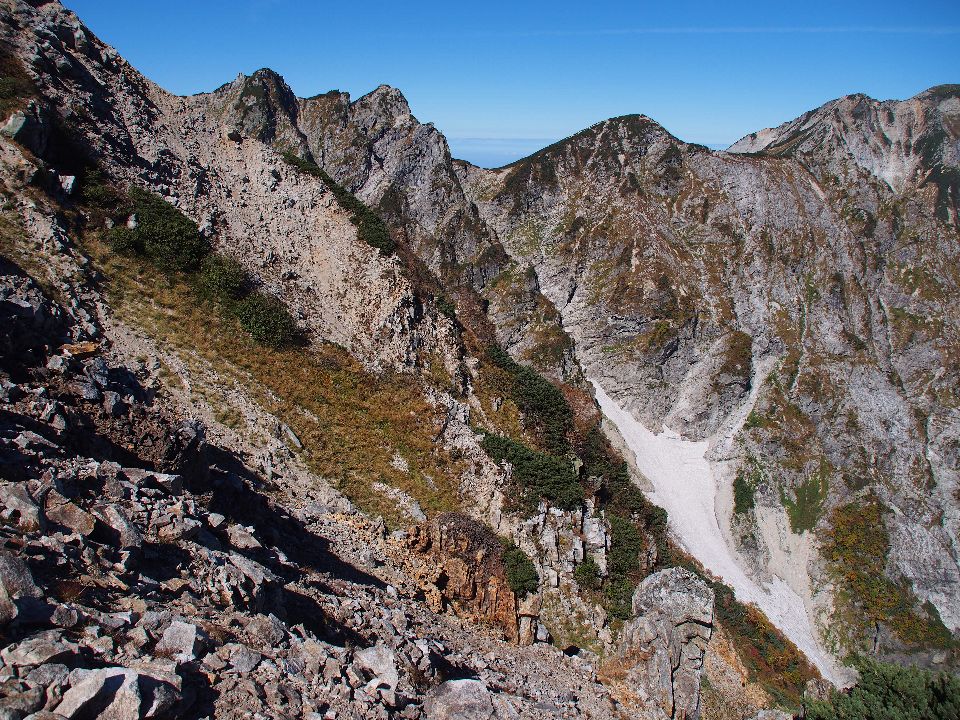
column 81, row 350
column 462, row 569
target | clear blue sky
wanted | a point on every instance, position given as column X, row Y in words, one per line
column 503, row 79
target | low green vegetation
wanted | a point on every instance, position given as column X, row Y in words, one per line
column 637, row 526
column 544, row 407
column 222, row 279
column 745, row 488
column 370, row 226
column 856, row 545
column 266, row 319
column 162, row 234
column 520, row 571
column 587, row 574
column 806, row 506
column 770, row 659
column 892, row 692
column 626, row 544
column 754, row 420
column 447, row 307
column 172, row 243
column 536, row 475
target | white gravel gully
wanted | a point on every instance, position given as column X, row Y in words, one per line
column 685, row 486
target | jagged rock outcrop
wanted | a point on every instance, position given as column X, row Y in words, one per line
column 903, row 143
column 375, row 147
column 284, row 225
column 699, row 286
column 664, row 645
column 462, row 566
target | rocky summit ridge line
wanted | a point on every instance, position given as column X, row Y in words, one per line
column 399, row 515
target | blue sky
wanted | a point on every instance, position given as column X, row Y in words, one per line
column 504, row 79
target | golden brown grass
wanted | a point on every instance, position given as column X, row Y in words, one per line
column 351, row 422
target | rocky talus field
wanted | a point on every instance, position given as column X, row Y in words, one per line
column 301, row 417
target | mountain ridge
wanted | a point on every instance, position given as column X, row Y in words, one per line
column 789, row 308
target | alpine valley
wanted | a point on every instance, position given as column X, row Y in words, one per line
column 302, row 417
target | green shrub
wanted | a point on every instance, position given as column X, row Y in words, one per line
column 616, row 493
column 168, row 238
column 266, row 319
column 754, row 420
column 856, row 545
column 587, row 574
column 536, row 475
column 630, row 515
column 97, row 193
column 520, row 571
column 545, row 409
column 123, row 240
column 891, row 692
column 447, row 307
column 303, row 165
column 222, row 278
column 618, row 598
column 806, row 505
column 626, row 544
column 744, row 490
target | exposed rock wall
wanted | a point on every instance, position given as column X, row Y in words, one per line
column 666, row 641
column 146, row 571
column 461, row 565
column 284, row 225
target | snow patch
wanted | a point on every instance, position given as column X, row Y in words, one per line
column 685, row 487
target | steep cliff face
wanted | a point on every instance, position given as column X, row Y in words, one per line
column 687, row 278
column 904, row 144
column 377, row 149
column 284, row 225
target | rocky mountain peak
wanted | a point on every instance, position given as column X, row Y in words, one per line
column 383, row 108
column 940, row 93
column 903, row 144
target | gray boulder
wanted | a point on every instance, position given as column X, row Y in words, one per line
column 39, row 649
column 16, row 583
column 667, row 639
column 460, row 700
column 108, row 694
column 380, row 662
column 29, row 127
column 182, row 641
column 123, row 533
column 20, row 508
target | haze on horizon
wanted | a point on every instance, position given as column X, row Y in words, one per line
column 503, row 81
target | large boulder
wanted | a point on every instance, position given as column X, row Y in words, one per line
column 29, row 127
column 19, row 508
column 380, row 662
column 182, row 641
column 460, row 700
column 16, row 583
column 118, row 693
